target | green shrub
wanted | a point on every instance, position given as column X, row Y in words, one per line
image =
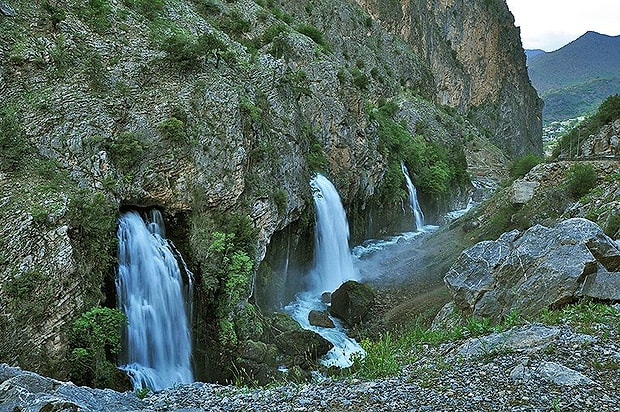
column 174, row 130
column 22, row 286
column 580, row 179
column 15, row 149
column 183, row 49
column 96, row 342
column 315, row 34
column 55, row 13
column 521, row 165
column 280, row 198
column 96, row 13
column 125, row 150
column 234, row 24
column 151, row 9
column 360, row 80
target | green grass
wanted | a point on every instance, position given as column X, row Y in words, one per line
column 387, row 355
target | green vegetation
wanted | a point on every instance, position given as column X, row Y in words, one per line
column 360, row 80
column 174, row 130
column 315, row 34
column 15, row 149
column 96, row 13
column 125, row 150
column 387, row 355
column 521, row 165
column 22, row 286
column 580, row 179
column 151, row 9
column 225, row 246
column 433, row 166
column 95, row 342
column 607, row 112
column 185, row 50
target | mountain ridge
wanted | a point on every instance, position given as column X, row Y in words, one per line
column 564, row 77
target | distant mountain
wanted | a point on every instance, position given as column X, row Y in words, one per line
column 529, row 53
column 576, row 78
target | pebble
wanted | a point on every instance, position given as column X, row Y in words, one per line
column 464, row 385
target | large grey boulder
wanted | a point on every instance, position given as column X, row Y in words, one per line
column 352, row 302
column 26, row 391
column 536, row 269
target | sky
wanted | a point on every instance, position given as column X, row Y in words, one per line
column 550, row 24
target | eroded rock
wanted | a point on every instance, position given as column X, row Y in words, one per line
column 539, row 268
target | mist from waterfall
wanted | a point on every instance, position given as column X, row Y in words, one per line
column 156, row 298
column 413, row 199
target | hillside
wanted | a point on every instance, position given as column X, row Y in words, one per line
column 576, row 78
column 216, row 115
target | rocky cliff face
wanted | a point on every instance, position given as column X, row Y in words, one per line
column 217, row 113
column 478, row 65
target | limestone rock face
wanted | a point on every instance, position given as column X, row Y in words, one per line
column 100, row 96
column 605, row 142
column 477, row 61
column 539, row 268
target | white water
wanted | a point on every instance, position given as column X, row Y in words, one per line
column 332, row 256
column 413, row 199
column 152, row 293
column 333, row 265
column 345, row 348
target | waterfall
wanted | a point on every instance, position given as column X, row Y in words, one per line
column 413, row 199
column 333, row 266
column 333, row 262
column 153, row 294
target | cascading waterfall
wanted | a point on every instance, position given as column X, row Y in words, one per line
column 157, row 301
column 333, row 262
column 413, row 199
column 333, row 266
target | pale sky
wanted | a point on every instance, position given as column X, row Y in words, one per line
column 550, row 24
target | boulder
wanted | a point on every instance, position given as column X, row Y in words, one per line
column 252, row 350
column 522, row 191
column 539, row 268
column 320, row 319
column 551, row 372
column 301, row 346
column 523, row 339
column 23, row 390
column 352, row 302
column 602, row 285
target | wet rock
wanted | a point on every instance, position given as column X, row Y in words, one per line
column 320, row 319
column 253, row 350
column 352, row 302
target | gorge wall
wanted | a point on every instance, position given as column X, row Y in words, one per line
column 217, row 113
column 474, row 51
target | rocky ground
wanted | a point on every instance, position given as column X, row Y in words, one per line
column 574, row 365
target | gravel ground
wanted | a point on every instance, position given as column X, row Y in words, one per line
column 527, row 368
column 562, row 370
